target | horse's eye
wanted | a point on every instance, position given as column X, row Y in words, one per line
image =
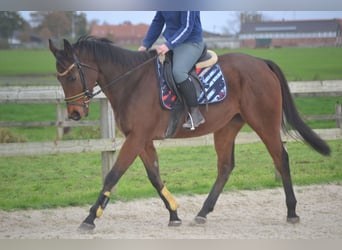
column 72, row 78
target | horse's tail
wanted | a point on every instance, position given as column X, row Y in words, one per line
column 292, row 117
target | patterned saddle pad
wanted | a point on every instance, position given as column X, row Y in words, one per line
column 211, row 78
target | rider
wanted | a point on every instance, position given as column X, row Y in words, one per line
column 183, row 34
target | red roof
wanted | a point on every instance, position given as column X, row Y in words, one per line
column 125, row 33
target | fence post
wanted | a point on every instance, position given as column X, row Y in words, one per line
column 338, row 111
column 107, row 126
column 60, row 120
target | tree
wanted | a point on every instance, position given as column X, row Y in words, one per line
column 233, row 24
column 80, row 24
column 10, row 21
column 59, row 24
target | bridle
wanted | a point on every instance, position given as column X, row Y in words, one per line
column 86, row 93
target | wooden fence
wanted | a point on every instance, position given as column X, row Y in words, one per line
column 108, row 143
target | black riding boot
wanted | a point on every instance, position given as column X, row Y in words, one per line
column 188, row 91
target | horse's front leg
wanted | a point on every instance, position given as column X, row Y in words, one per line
column 150, row 159
column 128, row 153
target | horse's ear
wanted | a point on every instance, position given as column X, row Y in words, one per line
column 68, row 48
column 52, row 47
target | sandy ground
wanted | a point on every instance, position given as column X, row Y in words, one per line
column 237, row 215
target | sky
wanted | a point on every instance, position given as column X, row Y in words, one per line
column 212, row 21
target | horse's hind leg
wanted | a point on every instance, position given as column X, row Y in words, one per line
column 272, row 139
column 281, row 161
column 291, row 202
column 224, row 146
column 150, row 160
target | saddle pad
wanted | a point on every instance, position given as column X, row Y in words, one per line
column 212, row 80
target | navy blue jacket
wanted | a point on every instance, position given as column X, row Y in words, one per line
column 180, row 27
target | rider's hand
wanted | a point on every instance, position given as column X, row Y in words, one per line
column 162, row 49
column 142, row 48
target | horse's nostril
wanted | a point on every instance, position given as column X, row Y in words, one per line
column 75, row 116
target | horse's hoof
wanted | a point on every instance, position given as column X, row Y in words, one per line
column 199, row 220
column 86, row 227
column 175, row 223
column 293, row 220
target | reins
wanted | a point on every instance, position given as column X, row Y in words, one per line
column 86, row 93
column 123, row 76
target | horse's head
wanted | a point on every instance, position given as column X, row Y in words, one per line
column 77, row 75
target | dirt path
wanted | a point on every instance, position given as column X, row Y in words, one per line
column 237, row 215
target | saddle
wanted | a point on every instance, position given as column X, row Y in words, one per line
column 209, row 83
column 206, row 74
column 208, row 58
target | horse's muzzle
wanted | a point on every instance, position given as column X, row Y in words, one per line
column 75, row 115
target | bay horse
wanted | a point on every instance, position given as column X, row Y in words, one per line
column 258, row 96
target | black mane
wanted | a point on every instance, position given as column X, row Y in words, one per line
column 104, row 50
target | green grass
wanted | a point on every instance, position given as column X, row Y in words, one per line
column 48, row 181
column 66, row 180
column 318, row 106
column 299, row 64
column 302, row 64
column 26, row 62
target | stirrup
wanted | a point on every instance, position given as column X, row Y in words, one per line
column 192, row 124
